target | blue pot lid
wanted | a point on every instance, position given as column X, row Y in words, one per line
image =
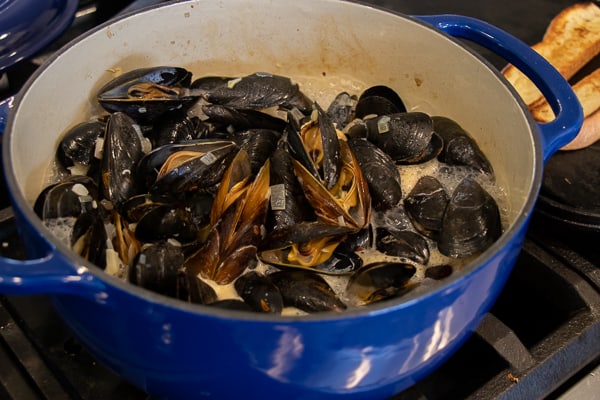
column 27, row 26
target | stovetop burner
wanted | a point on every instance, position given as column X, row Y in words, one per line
column 541, row 337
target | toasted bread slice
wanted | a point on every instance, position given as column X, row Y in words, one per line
column 589, row 133
column 587, row 91
column 571, row 41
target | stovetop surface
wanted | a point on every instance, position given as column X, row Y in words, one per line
column 541, row 337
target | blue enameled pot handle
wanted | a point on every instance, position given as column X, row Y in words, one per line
column 556, row 90
column 49, row 272
column 5, row 106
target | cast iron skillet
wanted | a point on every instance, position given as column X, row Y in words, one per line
column 570, row 192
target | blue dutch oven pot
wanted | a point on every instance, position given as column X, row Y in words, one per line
column 172, row 349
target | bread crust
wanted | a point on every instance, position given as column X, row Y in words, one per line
column 587, row 91
column 571, row 40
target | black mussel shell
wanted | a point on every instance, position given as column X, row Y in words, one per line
column 288, row 206
column 405, row 244
column 88, row 238
column 306, row 291
column 71, row 197
column 340, row 263
column 259, row 144
column 438, row 272
column 242, row 119
column 379, row 100
column 156, row 268
column 152, row 162
column 78, row 144
column 381, row 173
column 380, row 281
column 192, row 289
column 426, row 204
column 341, row 109
column 166, row 222
column 259, row 292
column 404, row 136
column 259, row 91
column 121, row 153
column 147, row 93
column 137, row 206
column 177, row 127
column 459, row 147
column 471, row 222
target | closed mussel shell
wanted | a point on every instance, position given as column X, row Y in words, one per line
column 259, row 292
column 471, row 222
column 156, row 268
column 380, row 172
column 426, row 204
column 306, row 291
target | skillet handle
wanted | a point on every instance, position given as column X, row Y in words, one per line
column 49, row 273
column 556, row 90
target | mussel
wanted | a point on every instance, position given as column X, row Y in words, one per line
column 306, row 291
column 471, row 221
column 259, row 292
column 122, row 151
column 459, row 146
column 157, row 267
column 380, row 281
column 146, row 94
column 426, row 204
column 380, row 173
column 237, row 218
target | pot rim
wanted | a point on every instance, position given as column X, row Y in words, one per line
column 422, row 293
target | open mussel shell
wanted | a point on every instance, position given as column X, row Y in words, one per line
column 307, row 245
column 147, row 93
column 348, row 202
column 380, row 281
column 183, row 167
column 471, row 222
column 379, row 100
